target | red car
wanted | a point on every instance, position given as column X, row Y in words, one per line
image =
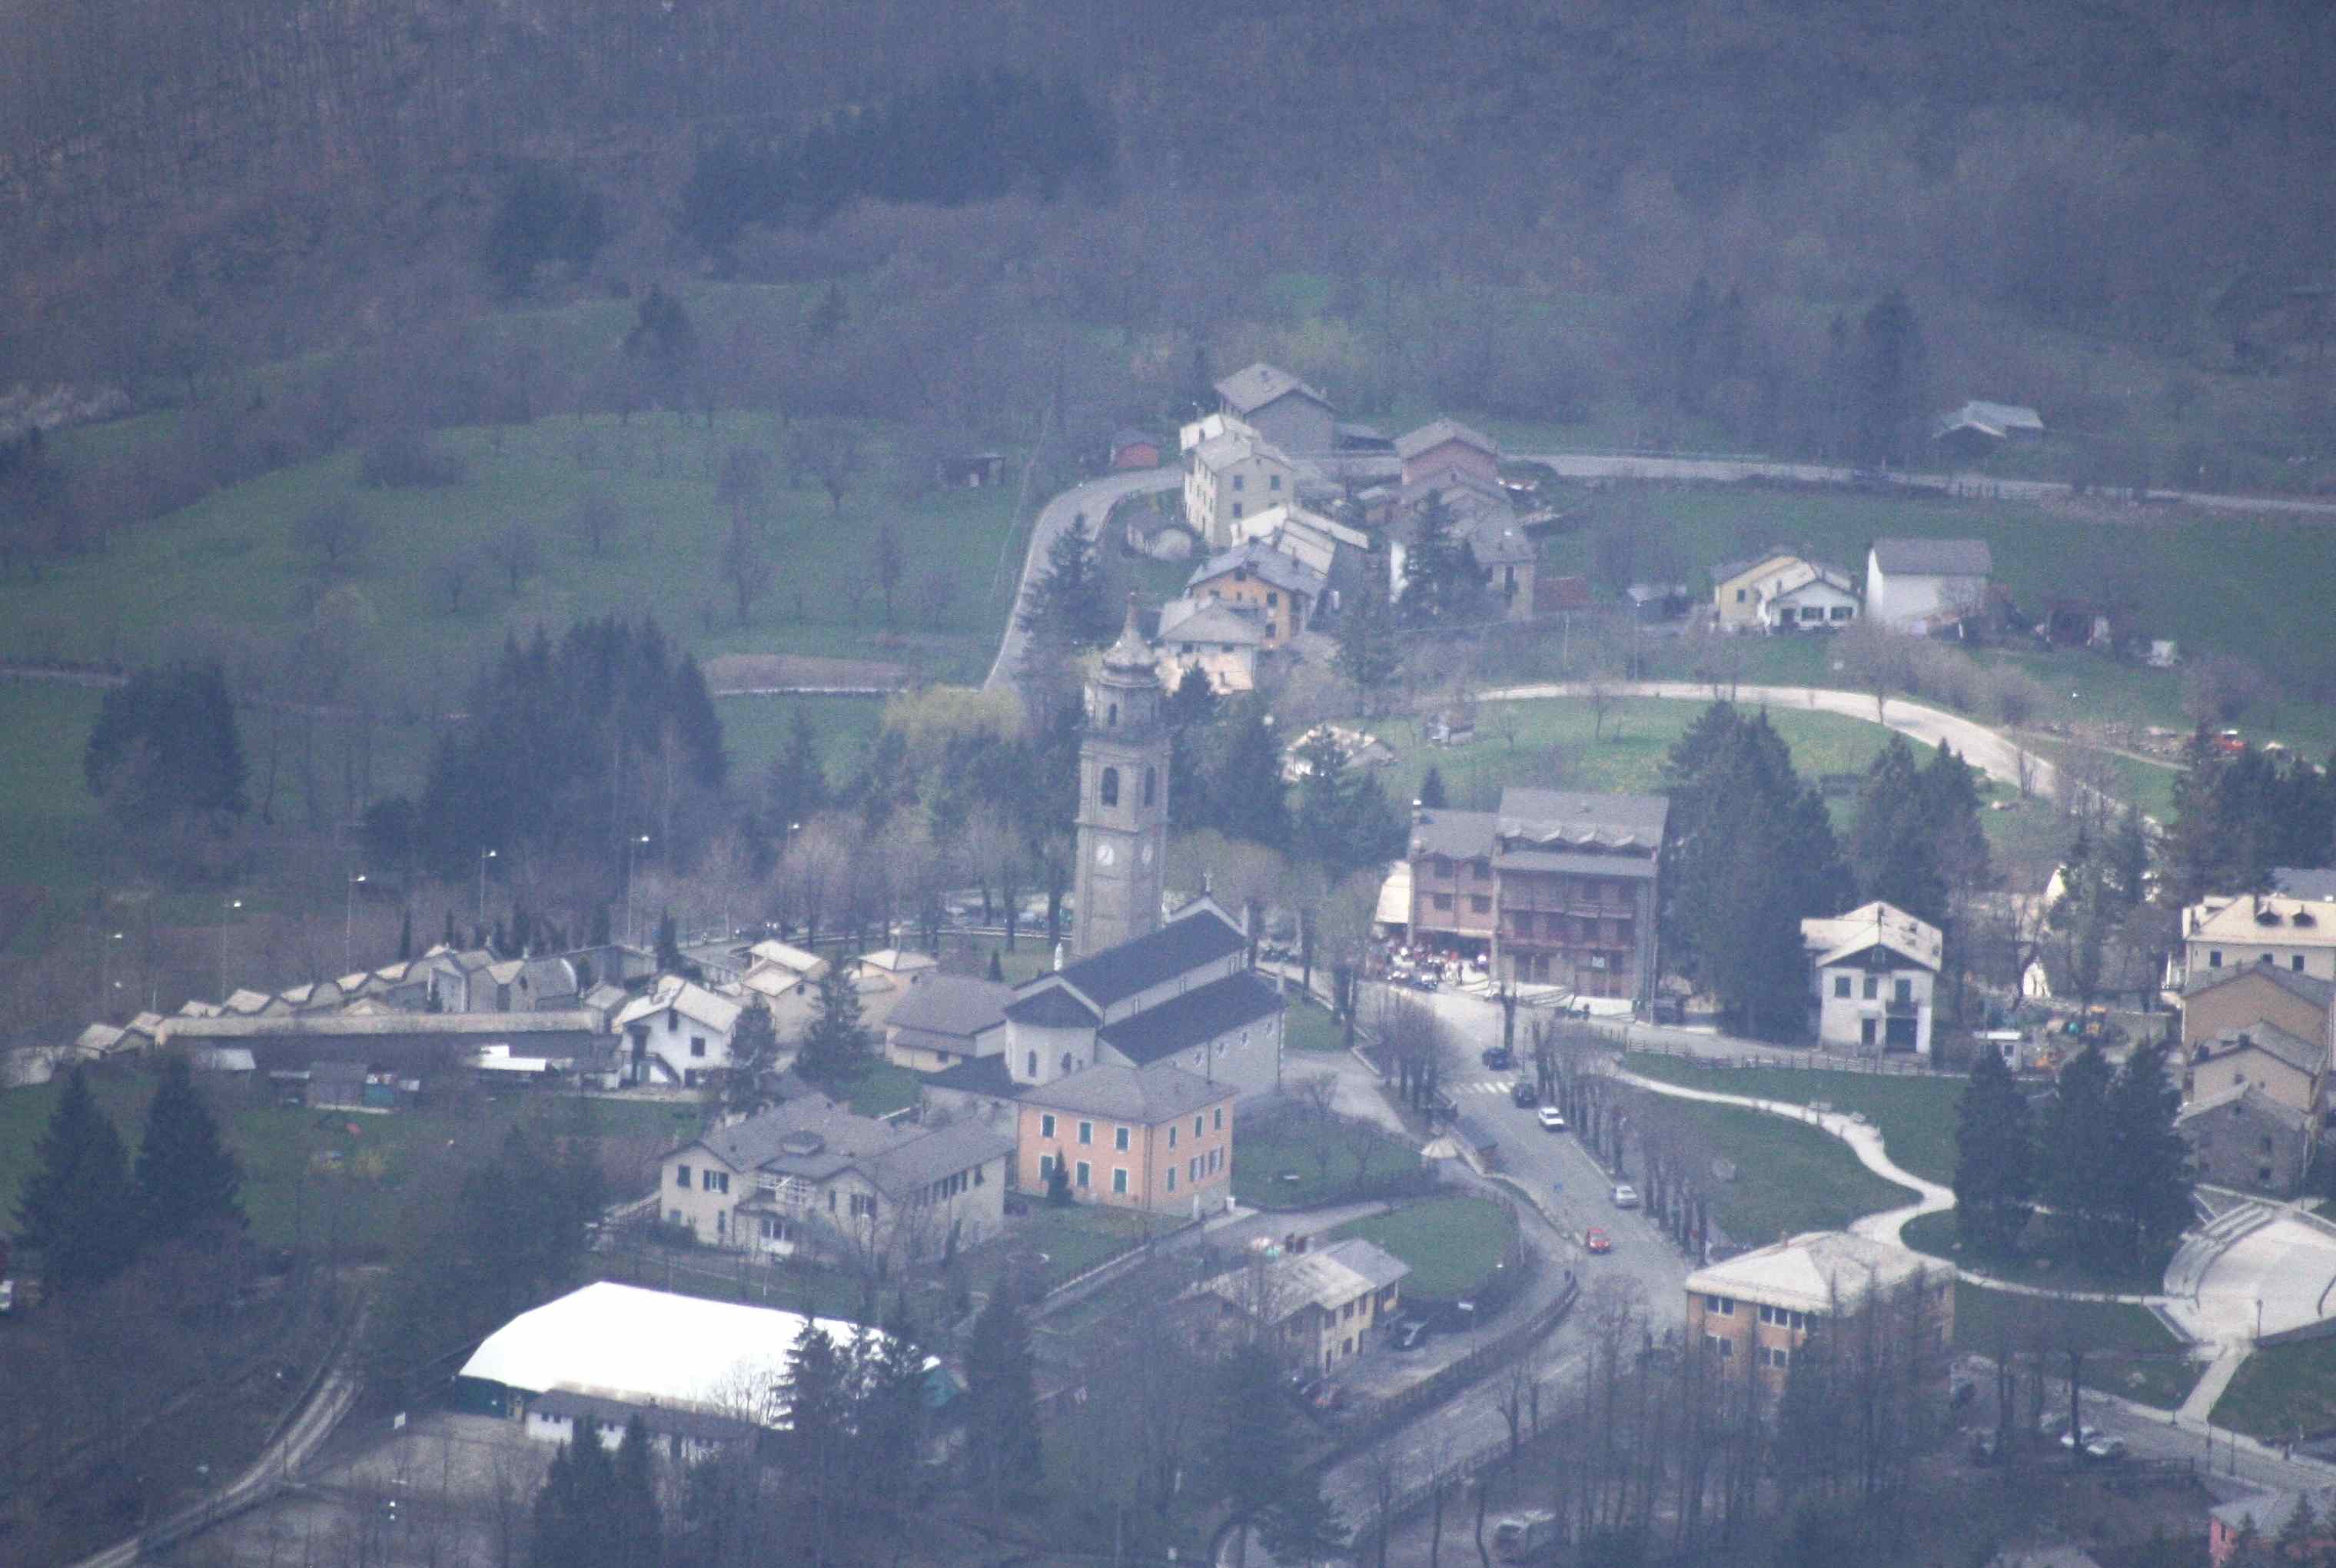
column 1597, row 1240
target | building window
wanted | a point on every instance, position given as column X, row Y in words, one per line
column 1480, row 904
column 1444, row 902
column 1221, row 1118
column 1723, row 1349
column 1151, row 785
column 1237, row 511
column 1172, row 1178
column 1119, row 1180
column 1045, row 1167
column 1216, row 1159
column 697, row 1044
column 1047, row 1125
column 1196, row 1126
column 1119, row 1139
column 1086, row 1132
column 1723, row 1305
column 681, row 1175
column 1273, row 482
column 1441, row 866
column 1193, row 1168
column 1841, row 987
column 1030, row 1064
column 1273, row 602
column 1082, row 1173
column 1901, row 991
column 1478, row 870
column 1067, row 1061
column 2215, row 959
column 717, row 1181
column 1739, row 595
column 1171, row 1137
column 1872, row 987
column 1111, row 787
column 863, row 1206
column 1776, row 1356
column 2296, row 963
column 1240, row 481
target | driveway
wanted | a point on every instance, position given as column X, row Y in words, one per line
column 1094, row 501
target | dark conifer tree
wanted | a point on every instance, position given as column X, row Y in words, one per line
column 1431, row 788
column 835, row 1043
column 190, row 1184
column 1001, row 1404
column 1994, row 1158
column 79, row 1209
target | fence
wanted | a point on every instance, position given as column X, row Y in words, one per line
column 1814, row 1062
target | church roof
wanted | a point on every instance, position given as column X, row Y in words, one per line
column 1153, row 958
column 1131, row 655
column 1194, row 1018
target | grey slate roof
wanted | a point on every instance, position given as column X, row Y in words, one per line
column 1369, row 1260
column 1116, row 974
column 1209, row 621
column 957, row 1006
column 2303, row 1056
column 896, row 1159
column 2251, row 1101
column 1578, row 865
column 2271, row 1511
column 927, row 1157
column 1934, row 557
column 1265, row 563
column 1560, row 818
column 1146, row 1095
column 1462, row 835
column 1050, row 1006
column 2308, row 988
column 978, row 1076
column 1436, row 432
column 1248, row 390
column 1194, row 1019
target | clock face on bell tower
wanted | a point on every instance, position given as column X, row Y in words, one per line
column 1123, row 813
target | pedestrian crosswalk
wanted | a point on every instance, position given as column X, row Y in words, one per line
column 1482, row 1086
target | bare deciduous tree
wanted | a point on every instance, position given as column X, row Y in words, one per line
column 888, row 562
column 516, row 551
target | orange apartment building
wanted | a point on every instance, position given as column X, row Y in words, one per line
column 1279, row 588
column 1753, row 1314
column 1158, row 1139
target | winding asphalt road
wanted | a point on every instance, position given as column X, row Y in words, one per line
column 1093, row 502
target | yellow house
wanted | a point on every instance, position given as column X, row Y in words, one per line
column 1318, row 1305
column 1279, row 590
column 1158, row 1138
column 1745, row 594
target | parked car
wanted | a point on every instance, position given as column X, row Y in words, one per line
column 1411, row 1333
column 1626, row 1196
column 1523, row 1093
column 7, row 1296
column 2082, row 1438
column 1423, row 983
column 1499, row 1057
column 1551, row 1119
column 1594, row 1240
column 2106, row 1449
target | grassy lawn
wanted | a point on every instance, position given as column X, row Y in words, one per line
column 755, row 730
column 2160, row 1382
column 2281, row 1391
column 1077, row 1238
column 1789, row 1177
column 1916, row 1115
column 1935, row 1234
column 49, row 828
column 1983, row 1319
column 232, row 558
column 1033, row 954
column 313, row 1175
column 884, row 1089
column 1453, row 1244
column 1310, row 1027
column 1280, row 1164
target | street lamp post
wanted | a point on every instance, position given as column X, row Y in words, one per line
column 484, row 856
column 106, row 984
column 228, row 915
column 349, row 926
column 630, row 844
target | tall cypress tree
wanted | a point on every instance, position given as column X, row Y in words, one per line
column 1431, row 788
column 1367, row 654
column 1246, row 795
column 1892, row 847
column 635, row 1519
column 79, row 1209
column 2150, row 1191
column 1442, row 585
column 1995, row 1158
column 2077, row 1180
column 188, row 1182
column 1065, row 607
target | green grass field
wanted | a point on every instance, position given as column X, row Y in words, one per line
column 1916, row 1115
column 1077, row 1238
column 1453, row 1244
column 50, row 823
column 1789, row 1177
column 1312, row 1028
column 1986, row 1321
column 233, row 559
column 1935, row 1234
column 2281, row 1391
column 1280, row 1165
column 884, row 1089
column 315, row 1177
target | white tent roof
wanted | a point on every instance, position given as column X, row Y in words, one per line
column 647, row 1346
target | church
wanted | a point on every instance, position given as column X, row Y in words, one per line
column 1144, row 993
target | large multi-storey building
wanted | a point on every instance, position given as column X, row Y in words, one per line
column 1753, row 1316
column 1554, row 888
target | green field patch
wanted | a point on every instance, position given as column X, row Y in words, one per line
column 2281, row 1391
column 2114, row 1333
column 1789, row 1176
column 1915, row 1114
column 1936, row 1234
column 1452, row 1244
column 1308, row 1026
column 1297, row 1162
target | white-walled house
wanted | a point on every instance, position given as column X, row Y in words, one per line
column 1874, row 970
column 677, row 1033
column 1920, row 585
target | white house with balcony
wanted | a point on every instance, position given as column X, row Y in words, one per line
column 1874, row 970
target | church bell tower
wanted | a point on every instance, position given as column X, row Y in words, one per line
column 1123, row 817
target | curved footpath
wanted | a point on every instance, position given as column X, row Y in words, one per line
column 1866, row 1141
column 1093, row 502
column 1983, row 748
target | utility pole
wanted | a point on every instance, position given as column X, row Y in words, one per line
column 484, row 856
